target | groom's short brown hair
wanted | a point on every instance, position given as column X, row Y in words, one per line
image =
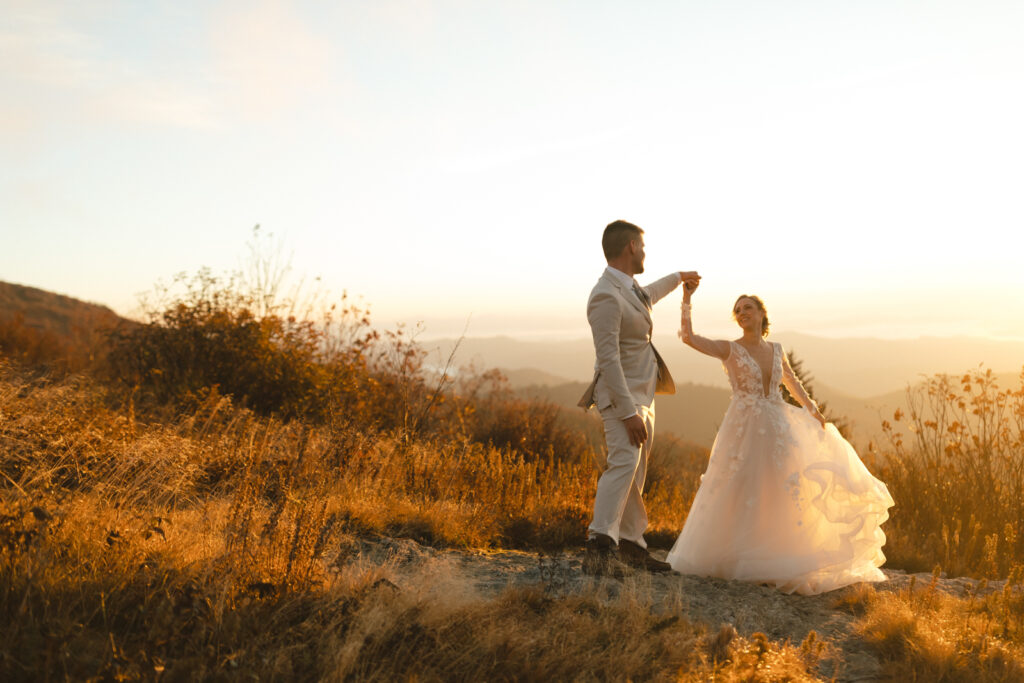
column 616, row 236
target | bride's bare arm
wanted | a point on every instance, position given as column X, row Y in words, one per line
column 796, row 388
column 712, row 347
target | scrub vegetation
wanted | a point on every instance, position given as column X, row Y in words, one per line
column 180, row 498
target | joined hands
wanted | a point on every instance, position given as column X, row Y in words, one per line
column 690, row 279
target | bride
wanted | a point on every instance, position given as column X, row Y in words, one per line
column 785, row 500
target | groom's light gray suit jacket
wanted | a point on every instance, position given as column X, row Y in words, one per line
column 628, row 371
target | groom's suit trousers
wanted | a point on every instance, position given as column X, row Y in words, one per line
column 619, row 505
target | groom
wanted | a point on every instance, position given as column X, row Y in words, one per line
column 627, row 375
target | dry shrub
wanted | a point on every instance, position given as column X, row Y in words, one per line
column 28, row 344
column 210, row 338
column 284, row 351
column 72, row 343
column 890, row 628
column 855, row 598
column 955, row 467
column 484, row 409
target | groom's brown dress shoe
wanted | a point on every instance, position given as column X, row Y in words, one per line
column 601, row 557
column 635, row 556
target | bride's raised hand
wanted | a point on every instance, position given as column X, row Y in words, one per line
column 691, row 280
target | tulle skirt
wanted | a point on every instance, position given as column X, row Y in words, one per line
column 784, row 502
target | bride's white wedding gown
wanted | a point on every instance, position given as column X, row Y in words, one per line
column 783, row 501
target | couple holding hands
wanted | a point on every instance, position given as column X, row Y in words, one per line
column 785, row 500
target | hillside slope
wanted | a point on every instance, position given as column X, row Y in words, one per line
column 43, row 328
column 56, row 313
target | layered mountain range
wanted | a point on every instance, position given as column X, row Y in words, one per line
column 862, row 381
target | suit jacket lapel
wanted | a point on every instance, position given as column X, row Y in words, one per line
column 630, row 296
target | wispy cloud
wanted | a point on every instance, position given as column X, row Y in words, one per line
column 54, row 72
column 37, row 46
column 238, row 62
column 156, row 102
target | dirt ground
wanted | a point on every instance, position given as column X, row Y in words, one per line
column 749, row 608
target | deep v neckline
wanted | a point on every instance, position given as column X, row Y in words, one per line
column 765, row 382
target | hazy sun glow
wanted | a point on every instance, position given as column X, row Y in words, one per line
column 858, row 165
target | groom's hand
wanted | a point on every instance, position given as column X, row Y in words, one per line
column 636, row 429
column 690, row 279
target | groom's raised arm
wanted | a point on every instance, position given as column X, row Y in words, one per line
column 605, row 316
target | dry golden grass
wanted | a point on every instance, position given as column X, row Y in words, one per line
column 954, row 464
column 927, row 635
column 213, row 544
column 188, row 605
column 167, row 530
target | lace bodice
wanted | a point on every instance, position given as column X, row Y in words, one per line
column 744, row 373
column 746, row 377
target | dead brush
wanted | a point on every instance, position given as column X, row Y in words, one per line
column 251, row 578
column 954, row 463
column 719, row 646
column 245, row 580
column 528, row 634
column 929, row 635
column 854, row 599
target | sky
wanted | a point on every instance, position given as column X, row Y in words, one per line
column 451, row 164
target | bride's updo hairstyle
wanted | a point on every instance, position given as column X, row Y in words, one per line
column 760, row 306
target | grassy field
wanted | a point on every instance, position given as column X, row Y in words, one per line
column 186, row 509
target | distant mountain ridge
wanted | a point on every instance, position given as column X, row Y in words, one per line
column 862, row 380
column 854, row 367
column 695, row 411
